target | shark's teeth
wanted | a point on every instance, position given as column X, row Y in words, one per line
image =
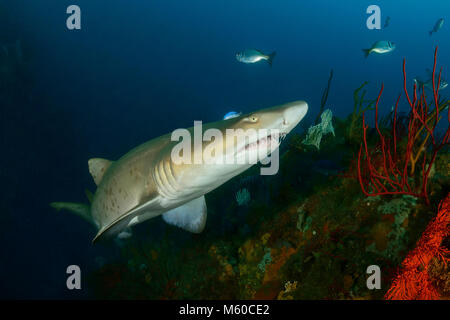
column 271, row 142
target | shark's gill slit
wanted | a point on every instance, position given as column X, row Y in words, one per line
column 171, row 182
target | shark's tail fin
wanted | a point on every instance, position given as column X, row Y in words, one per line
column 430, row 32
column 80, row 209
column 366, row 52
column 271, row 56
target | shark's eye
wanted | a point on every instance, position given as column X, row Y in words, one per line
column 252, row 118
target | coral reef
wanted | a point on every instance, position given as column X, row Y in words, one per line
column 327, row 124
column 315, row 133
column 310, row 241
column 314, row 136
column 414, row 281
column 396, row 240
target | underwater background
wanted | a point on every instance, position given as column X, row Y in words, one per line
column 140, row 69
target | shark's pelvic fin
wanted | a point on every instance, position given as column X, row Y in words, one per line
column 97, row 168
column 190, row 216
column 125, row 234
column 80, row 209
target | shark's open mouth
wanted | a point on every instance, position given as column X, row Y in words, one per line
column 268, row 143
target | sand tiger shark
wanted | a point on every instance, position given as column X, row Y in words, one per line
column 146, row 182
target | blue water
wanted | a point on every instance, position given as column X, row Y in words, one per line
column 138, row 69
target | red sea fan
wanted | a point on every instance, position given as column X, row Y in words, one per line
column 384, row 169
column 413, row 283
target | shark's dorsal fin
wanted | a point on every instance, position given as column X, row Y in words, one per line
column 97, row 168
column 190, row 216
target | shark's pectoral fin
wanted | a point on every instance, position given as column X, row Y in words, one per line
column 121, row 223
column 97, row 168
column 190, row 216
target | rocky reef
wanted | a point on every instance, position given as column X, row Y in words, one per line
column 306, row 233
column 309, row 232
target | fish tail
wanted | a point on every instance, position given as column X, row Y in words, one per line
column 431, row 32
column 366, row 52
column 270, row 58
column 80, row 209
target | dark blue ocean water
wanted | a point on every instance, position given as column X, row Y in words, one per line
column 138, row 69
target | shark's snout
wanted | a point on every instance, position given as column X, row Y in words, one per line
column 293, row 113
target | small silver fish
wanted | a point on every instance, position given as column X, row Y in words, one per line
column 231, row 115
column 387, row 22
column 437, row 26
column 428, row 84
column 254, row 55
column 380, row 47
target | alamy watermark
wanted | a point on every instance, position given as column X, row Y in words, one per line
column 374, row 20
column 74, row 280
column 73, row 22
column 374, row 280
column 235, row 147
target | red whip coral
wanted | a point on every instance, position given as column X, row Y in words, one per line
column 384, row 169
column 413, row 282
